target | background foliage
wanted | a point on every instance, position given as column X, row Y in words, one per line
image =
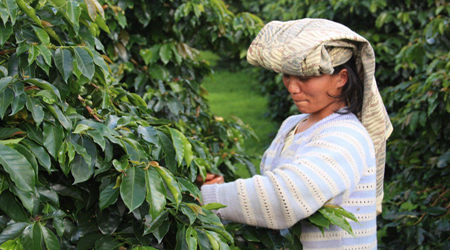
column 104, row 125
column 411, row 43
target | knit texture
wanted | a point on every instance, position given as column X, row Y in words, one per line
column 332, row 162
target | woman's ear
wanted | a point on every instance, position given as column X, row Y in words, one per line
column 342, row 78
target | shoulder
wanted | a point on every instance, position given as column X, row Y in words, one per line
column 292, row 120
column 339, row 126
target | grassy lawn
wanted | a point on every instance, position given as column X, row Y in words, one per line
column 233, row 94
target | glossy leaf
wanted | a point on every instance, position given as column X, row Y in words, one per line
column 73, row 12
column 191, row 238
column 12, row 231
column 6, row 98
column 53, row 138
column 5, row 32
column 11, row 6
column 156, row 192
column 44, row 85
column 64, row 62
column 108, row 196
column 178, row 144
column 11, row 207
column 18, row 168
column 337, row 220
column 36, row 109
column 42, row 35
column 32, row 237
column 85, row 62
column 171, row 184
column 80, row 169
column 132, row 189
column 41, row 155
column 168, row 150
column 46, row 54
column 50, row 239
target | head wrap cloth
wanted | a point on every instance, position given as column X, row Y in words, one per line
column 312, row 47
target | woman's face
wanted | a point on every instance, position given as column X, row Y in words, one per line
column 313, row 94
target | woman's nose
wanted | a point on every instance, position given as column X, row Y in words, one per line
column 293, row 86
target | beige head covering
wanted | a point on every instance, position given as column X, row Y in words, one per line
column 311, row 47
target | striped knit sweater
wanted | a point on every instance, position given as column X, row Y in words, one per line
column 332, row 161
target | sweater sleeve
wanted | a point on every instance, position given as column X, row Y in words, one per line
column 326, row 168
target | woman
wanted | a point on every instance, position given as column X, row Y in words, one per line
column 334, row 152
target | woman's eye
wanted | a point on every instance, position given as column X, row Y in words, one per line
column 303, row 78
column 286, row 75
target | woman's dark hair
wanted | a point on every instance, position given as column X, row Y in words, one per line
column 353, row 91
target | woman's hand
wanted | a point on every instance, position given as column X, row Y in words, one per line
column 210, row 179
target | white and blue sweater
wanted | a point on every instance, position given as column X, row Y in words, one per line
column 333, row 162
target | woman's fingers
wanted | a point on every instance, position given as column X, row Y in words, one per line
column 209, row 177
column 217, row 179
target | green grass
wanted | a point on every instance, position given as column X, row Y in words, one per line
column 234, row 94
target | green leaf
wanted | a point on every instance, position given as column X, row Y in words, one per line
column 12, row 208
column 44, row 85
column 6, row 98
column 58, row 114
column 158, row 72
column 32, row 237
column 98, row 138
column 33, row 52
column 189, row 213
column 177, row 144
column 101, row 23
column 151, row 224
column 156, row 192
column 5, row 32
column 161, row 231
column 213, row 242
column 9, row 132
column 92, row 10
column 36, row 109
column 12, row 231
column 203, row 241
column 213, row 206
column 11, row 6
column 171, row 184
column 50, row 240
column 46, row 53
column 337, row 220
column 64, row 62
column 73, row 12
column 319, row 220
column 40, row 153
column 341, row 211
column 144, row 248
column 30, row 157
column 18, row 103
column 146, row 54
column 132, row 189
column 108, row 196
column 18, row 168
column 187, row 186
column 85, row 62
column 81, row 128
column 165, row 53
column 80, row 169
column 4, row 82
column 168, row 150
column 191, row 238
column 42, row 35
column 149, row 134
column 53, row 138
column 3, row 13
column 29, row 199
